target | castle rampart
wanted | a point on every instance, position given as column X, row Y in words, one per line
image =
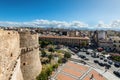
column 30, row 62
column 19, row 55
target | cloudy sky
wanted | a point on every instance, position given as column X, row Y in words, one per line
column 92, row 14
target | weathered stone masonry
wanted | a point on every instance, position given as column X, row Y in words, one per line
column 19, row 55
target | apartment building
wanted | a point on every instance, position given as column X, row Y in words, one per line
column 65, row 40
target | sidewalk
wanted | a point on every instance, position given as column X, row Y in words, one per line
column 107, row 74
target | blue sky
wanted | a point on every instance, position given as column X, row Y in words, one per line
column 88, row 11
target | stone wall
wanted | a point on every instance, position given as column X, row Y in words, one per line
column 30, row 62
column 19, row 56
column 9, row 53
column 17, row 74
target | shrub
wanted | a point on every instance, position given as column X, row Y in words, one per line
column 60, row 60
column 51, row 49
column 43, row 53
column 67, row 55
column 42, row 76
column 55, row 66
column 116, row 58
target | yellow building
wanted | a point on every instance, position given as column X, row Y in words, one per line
column 65, row 40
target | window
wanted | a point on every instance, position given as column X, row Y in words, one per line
column 24, row 64
column 11, row 55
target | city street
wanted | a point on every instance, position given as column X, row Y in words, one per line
column 108, row 74
column 91, row 62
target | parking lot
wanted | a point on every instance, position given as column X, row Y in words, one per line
column 91, row 61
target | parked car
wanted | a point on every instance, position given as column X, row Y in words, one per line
column 110, row 62
column 82, row 56
column 107, row 65
column 101, row 58
column 87, row 53
column 96, row 61
column 116, row 64
column 101, row 64
column 83, row 50
column 105, row 60
column 117, row 73
column 86, row 58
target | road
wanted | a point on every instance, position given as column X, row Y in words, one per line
column 91, row 62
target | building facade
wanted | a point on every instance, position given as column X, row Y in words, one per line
column 70, row 41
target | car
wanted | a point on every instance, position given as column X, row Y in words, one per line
column 83, row 49
column 107, row 65
column 105, row 60
column 87, row 53
column 96, row 61
column 101, row 58
column 110, row 62
column 101, row 64
column 82, row 56
column 116, row 64
column 86, row 58
column 117, row 73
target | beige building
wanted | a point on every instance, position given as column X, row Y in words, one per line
column 70, row 41
column 116, row 42
column 112, row 42
column 106, row 43
column 74, row 34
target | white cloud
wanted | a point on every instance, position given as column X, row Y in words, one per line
column 114, row 25
column 46, row 23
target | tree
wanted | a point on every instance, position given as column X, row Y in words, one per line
column 83, row 44
column 50, row 57
column 55, row 66
column 51, row 49
column 49, row 71
column 43, row 53
column 45, row 73
column 116, row 58
column 44, row 43
column 42, row 76
column 67, row 55
column 60, row 60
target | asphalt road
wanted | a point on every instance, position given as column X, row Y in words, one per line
column 91, row 61
column 96, row 65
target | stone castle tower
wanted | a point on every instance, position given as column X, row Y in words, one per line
column 19, row 55
column 30, row 61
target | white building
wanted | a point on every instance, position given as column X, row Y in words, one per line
column 101, row 35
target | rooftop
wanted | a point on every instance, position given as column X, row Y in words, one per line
column 65, row 37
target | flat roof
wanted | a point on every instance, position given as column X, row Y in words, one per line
column 65, row 37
